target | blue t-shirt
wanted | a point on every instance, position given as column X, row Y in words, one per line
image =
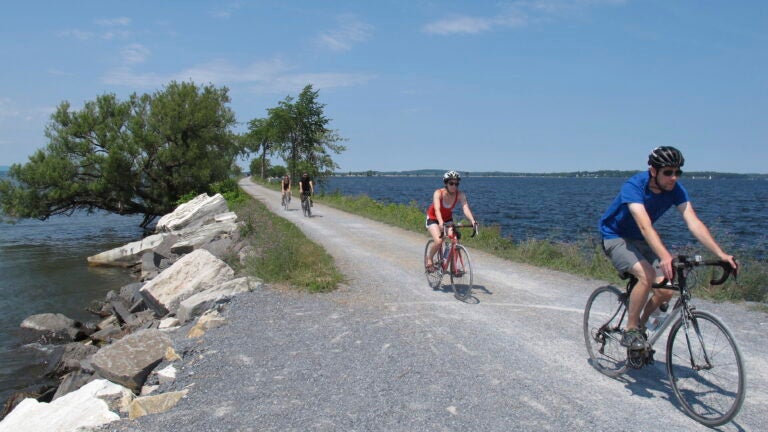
column 617, row 221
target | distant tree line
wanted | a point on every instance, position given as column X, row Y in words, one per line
column 575, row 174
column 141, row 155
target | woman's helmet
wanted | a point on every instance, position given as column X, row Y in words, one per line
column 665, row 156
column 451, row 175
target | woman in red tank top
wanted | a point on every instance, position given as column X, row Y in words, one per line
column 441, row 210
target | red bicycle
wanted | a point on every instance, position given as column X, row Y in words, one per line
column 453, row 259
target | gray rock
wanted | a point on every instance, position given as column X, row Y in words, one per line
column 73, row 381
column 129, row 360
column 220, row 247
column 196, row 238
column 54, row 326
column 69, row 358
column 130, row 293
column 193, row 273
column 202, row 301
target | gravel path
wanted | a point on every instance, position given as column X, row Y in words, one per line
column 387, row 353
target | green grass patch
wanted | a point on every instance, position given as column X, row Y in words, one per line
column 281, row 253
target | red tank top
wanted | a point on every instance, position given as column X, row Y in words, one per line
column 447, row 212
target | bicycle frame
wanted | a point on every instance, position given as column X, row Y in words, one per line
column 682, row 308
column 451, row 233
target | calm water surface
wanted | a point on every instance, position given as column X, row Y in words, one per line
column 43, row 269
column 568, row 209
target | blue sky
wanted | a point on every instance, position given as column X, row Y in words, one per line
column 528, row 85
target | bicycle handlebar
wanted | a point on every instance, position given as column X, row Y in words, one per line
column 475, row 227
column 685, row 262
column 682, row 262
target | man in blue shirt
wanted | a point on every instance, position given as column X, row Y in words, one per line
column 634, row 246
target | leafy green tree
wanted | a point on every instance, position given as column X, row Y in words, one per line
column 261, row 138
column 302, row 136
column 277, row 171
column 127, row 157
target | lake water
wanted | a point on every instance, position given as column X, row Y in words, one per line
column 43, row 264
column 568, row 209
column 43, row 269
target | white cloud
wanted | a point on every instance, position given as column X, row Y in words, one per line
column 294, row 83
column 11, row 112
column 114, row 28
column 135, row 53
column 227, row 10
column 77, row 34
column 350, row 31
column 113, row 22
column 516, row 14
column 459, row 24
column 263, row 77
column 7, row 110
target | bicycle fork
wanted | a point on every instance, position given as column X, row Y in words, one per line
column 688, row 323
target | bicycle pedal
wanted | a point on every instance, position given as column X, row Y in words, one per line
column 649, row 357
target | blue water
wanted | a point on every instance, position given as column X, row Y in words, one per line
column 43, row 269
column 568, row 209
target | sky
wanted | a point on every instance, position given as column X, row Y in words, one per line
column 517, row 86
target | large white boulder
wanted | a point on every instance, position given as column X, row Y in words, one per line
column 193, row 273
column 83, row 408
column 126, row 255
column 200, row 210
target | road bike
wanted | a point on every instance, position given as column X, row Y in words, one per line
column 306, row 204
column 704, row 363
column 453, row 259
column 286, row 200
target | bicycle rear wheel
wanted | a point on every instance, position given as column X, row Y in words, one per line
column 460, row 269
column 435, row 276
column 603, row 314
column 705, row 369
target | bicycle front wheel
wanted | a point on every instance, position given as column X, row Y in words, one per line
column 705, row 369
column 305, row 207
column 603, row 317
column 461, row 273
column 435, row 273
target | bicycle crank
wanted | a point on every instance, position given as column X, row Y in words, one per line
column 636, row 359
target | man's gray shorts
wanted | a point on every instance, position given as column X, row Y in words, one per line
column 625, row 253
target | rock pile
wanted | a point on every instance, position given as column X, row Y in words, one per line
column 102, row 367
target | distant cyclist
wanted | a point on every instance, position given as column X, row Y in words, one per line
column 634, row 246
column 285, row 186
column 306, row 187
column 441, row 211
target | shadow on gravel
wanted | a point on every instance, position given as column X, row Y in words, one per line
column 653, row 382
column 470, row 299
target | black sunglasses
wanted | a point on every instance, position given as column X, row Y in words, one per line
column 669, row 172
column 453, row 183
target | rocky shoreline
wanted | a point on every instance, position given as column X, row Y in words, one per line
column 112, row 368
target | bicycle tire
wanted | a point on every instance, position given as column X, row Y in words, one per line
column 460, row 269
column 435, row 277
column 602, row 330
column 305, row 207
column 712, row 395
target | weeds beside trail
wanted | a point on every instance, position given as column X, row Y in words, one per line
column 281, row 252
